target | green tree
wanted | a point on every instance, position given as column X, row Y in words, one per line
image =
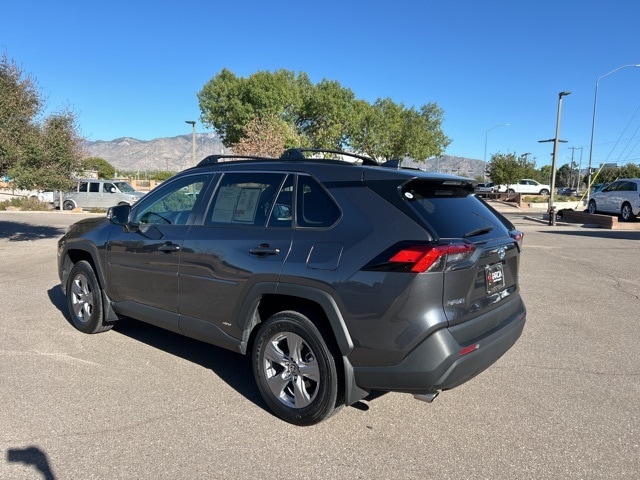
column 20, row 102
column 507, row 168
column 35, row 152
column 328, row 115
column 325, row 115
column 100, row 165
column 228, row 103
column 630, row 170
column 53, row 159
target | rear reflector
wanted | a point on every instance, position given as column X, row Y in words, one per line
column 469, row 349
column 518, row 236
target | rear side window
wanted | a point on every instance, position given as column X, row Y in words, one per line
column 452, row 210
column 244, row 199
column 315, row 208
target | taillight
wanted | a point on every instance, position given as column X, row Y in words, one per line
column 427, row 258
column 518, row 236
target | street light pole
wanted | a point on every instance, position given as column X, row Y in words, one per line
column 593, row 121
column 552, row 213
column 486, row 137
column 193, row 141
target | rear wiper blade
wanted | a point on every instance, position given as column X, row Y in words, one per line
column 478, row 231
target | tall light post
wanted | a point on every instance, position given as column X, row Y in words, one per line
column 593, row 121
column 193, row 141
column 556, row 139
column 486, row 138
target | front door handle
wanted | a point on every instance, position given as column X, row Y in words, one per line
column 264, row 249
column 169, row 247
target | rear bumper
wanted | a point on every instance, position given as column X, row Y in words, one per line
column 436, row 364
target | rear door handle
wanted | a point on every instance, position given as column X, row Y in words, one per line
column 169, row 247
column 264, row 249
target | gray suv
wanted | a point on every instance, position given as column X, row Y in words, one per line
column 339, row 278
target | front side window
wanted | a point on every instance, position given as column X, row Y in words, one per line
column 172, row 204
column 124, row 187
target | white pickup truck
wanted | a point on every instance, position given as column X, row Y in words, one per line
column 526, row 185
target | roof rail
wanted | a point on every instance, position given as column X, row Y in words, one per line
column 298, row 154
column 228, row 158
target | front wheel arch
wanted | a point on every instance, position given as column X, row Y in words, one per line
column 85, row 299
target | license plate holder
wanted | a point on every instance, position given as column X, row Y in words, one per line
column 494, row 276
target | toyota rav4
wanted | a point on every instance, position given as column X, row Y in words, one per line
column 338, row 277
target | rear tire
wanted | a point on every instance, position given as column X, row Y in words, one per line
column 84, row 299
column 294, row 369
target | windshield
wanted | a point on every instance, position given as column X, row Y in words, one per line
column 124, row 187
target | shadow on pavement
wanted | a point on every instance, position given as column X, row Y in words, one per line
column 596, row 233
column 31, row 456
column 20, row 232
column 233, row 368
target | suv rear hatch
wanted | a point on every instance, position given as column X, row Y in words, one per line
column 478, row 248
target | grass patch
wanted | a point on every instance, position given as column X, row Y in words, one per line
column 25, row 204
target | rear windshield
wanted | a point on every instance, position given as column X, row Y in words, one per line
column 452, row 210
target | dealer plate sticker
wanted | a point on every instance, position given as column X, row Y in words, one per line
column 495, row 277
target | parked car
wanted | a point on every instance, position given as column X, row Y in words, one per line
column 485, row 188
column 567, row 192
column 337, row 278
column 527, row 185
column 621, row 197
column 44, row 196
column 98, row 193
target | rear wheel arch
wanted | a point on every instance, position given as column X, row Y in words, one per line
column 308, row 301
column 322, row 310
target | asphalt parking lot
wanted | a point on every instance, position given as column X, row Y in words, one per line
column 140, row 403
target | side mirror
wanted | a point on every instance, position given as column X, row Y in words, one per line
column 119, row 215
column 112, row 189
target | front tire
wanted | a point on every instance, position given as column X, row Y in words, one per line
column 626, row 213
column 592, row 207
column 294, row 369
column 68, row 205
column 84, row 299
column 544, row 192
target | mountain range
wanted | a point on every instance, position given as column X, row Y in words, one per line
column 175, row 153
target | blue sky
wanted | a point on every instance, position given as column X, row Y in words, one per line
column 134, row 68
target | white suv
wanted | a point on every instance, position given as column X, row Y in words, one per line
column 621, row 197
column 527, row 185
